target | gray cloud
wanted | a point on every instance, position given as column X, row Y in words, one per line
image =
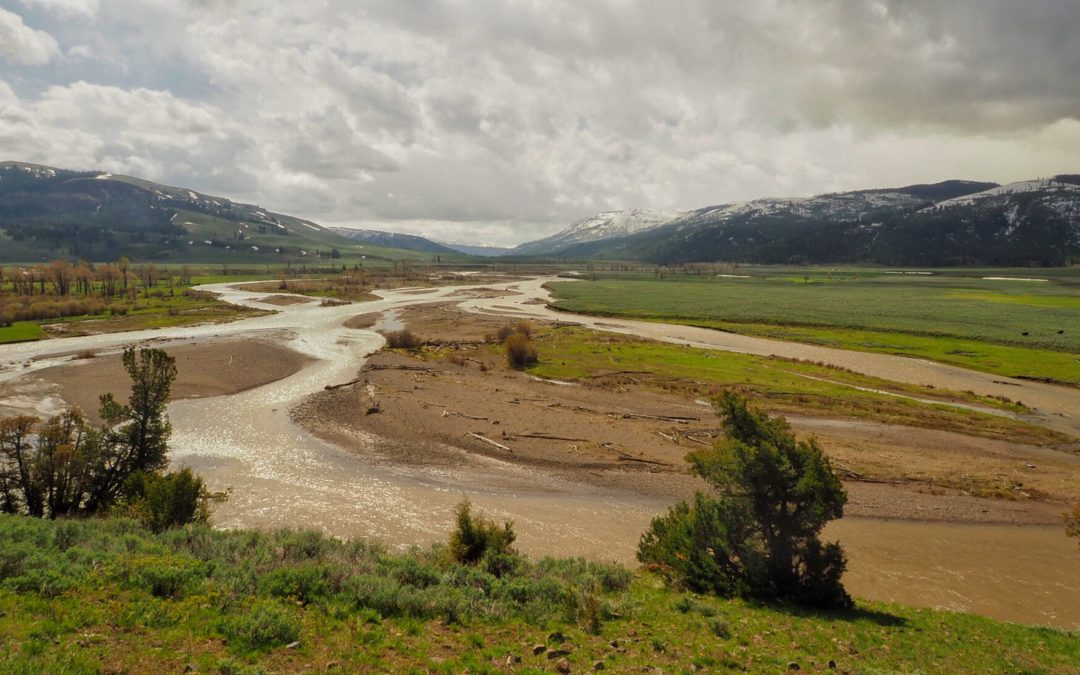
column 505, row 120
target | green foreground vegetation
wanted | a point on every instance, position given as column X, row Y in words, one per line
column 93, row 595
column 1014, row 328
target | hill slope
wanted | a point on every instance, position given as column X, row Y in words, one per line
column 601, row 227
column 950, row 223
column 104, row 595
column 407, row 242
column 47, row 213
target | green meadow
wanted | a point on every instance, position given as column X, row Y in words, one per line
column 1014, row 328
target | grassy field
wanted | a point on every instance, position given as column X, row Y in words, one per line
column 140, row 314
column 107, row 596
column 785, row 386
column 1014, row 328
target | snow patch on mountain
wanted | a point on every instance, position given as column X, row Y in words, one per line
column 604, row 225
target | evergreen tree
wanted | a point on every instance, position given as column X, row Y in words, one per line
column 757, row 536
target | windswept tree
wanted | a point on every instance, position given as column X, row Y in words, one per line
column 757, row 536
column 139, row 430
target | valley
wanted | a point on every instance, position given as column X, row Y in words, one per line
column 594, row 435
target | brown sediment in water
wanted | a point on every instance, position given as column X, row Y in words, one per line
column 204, row 369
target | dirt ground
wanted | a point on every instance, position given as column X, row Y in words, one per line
column 458, row 402
column 203, row 369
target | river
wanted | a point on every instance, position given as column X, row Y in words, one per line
column 280, row 475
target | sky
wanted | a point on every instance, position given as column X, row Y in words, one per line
column 483, row 121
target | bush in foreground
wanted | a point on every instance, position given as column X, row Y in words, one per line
column 758, row 537
column 476, row 538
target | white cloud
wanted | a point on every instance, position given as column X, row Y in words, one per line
column 20, row 43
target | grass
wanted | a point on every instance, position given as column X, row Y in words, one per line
column 786, row 386
column 21, row 331
column 1012, row 328
column 105, row 595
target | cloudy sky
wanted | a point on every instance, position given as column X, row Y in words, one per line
column 478, row 120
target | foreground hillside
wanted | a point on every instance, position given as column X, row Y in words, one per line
column 106, row 595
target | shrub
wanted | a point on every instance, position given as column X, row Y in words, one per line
column 759, row 537
column 520, row 351
column 305, row 583
column 161, row 502
column 403, row 339
column 267, row 624
column 476, row 537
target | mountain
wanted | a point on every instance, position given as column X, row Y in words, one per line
column 46, row 213
column 407, row 242
column 602, row 226
column 482, row 251
column 951, row 223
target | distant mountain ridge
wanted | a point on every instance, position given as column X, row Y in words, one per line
column 47, row 213
column 408, row 242
column 602, row 226
column 949, row 223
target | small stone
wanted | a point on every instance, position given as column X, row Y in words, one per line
column 292, row 645
column 511, row 659
column 191, row 668
column 614, row 644
column 563, row 666
column 598, row 665
column 793, row 666
column 330, row 665
column 556, row 638
column 832, row 664
column 537, row 650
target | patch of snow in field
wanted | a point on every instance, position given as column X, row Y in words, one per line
column 1012, row 279
column 104, row 176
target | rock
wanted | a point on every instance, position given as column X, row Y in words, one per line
column 832, row 664
column 614, row 644
column 511, row 659
column 330, row 665
column 373, row 409
column 598, row 665
column 556, row 638
column 191, row 668
column 563, row 666
column 793, row 666
column 292, row 645
column 537, row 650
column 561, row 650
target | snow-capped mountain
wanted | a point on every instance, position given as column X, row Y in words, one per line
column 954, row 222
column 605, row 225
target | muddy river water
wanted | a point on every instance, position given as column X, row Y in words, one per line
column 280, row 475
